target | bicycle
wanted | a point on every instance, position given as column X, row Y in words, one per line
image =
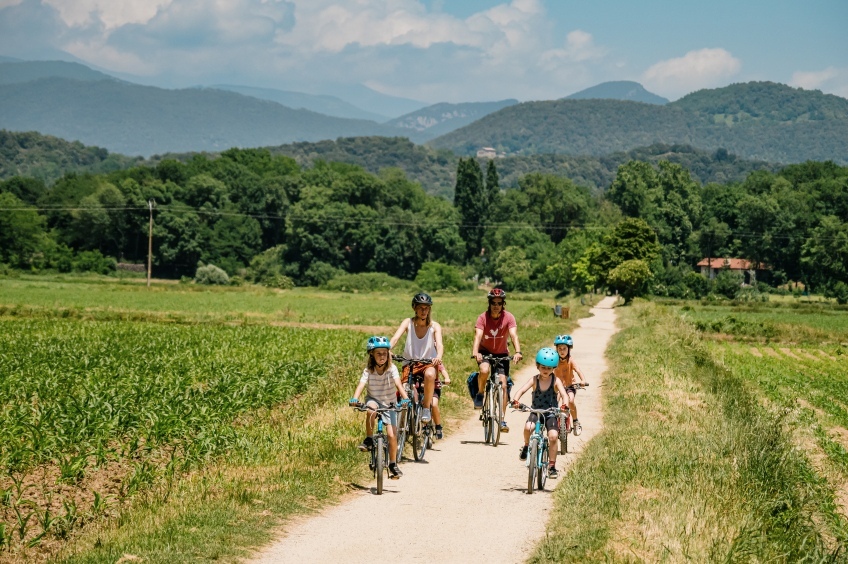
column 421, row 434
column 565, row 423
column 537, row 453
column 380, row 450
column 492, row 412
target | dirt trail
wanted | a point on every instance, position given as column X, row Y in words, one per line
column 470, row 496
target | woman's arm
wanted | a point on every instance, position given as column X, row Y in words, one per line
column 440, row 347
column 513, row 334
column 475, row 348
column 404, row 325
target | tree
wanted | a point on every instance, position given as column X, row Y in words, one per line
column 629, row 278
column 22, row 231
column 472, row 204
column 440, row 276
column 632, row 239
column 825, row 253
column 512, row 268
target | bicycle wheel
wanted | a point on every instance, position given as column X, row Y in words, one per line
column 417, row 433
column 486, row 416
column 425, row 439
column 402, row 427
column 543, row 466
column 380, row 467
column 497, row 415
column 532, row 464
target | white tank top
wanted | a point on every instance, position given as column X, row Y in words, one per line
column 424, row 347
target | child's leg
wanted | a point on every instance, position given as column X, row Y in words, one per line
column 571, row 405
column 528, row 428
column 434, row 408
column 391, row 430
column 553, row 436
column 370, row 418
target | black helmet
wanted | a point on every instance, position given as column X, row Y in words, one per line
column 422, row 298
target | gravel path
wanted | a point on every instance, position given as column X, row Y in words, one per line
column 471, row 497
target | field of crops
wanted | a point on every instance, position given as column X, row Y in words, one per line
column 116, row 401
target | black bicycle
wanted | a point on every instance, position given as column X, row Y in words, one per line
column 410, row 425
column 492, row 412
column 380, row 450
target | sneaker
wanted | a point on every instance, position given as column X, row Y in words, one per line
column 523, row 454
column 578, row 428
column 425, row 415
column 439, row 433
column 504, row 427
column 552, row 472
column 367, row 444
column 394, row 471
column 478, row 401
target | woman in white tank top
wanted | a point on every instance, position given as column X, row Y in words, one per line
column 423, row 340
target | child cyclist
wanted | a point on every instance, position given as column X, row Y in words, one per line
column 565, row 372
column 382, row 381
column 546, row 388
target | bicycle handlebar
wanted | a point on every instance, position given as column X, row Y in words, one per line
column 359, row 406
column 549, row 411
column 415, row 360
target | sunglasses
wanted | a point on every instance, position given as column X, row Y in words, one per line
column 497, row 303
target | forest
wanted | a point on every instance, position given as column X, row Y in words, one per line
column 254, row 216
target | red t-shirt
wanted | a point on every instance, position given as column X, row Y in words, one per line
column 495, row 331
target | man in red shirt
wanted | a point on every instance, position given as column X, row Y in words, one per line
column 490, row 338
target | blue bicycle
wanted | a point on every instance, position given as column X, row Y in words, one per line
column 380, row 450
column 537, row 453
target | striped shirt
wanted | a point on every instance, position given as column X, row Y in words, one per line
column 381, row 387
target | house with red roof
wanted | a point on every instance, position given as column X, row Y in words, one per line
column 711, row 266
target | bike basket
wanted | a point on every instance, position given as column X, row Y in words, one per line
column 472, row 385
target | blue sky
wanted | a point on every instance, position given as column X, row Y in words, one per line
column 442, row 50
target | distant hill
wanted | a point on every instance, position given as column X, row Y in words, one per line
column 26, row 71
column 322, row 104
column 144, row 120
column 618, row 90
column 757, row 120
column 48, row 158
column 439, row 119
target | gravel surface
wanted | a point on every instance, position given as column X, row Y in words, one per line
column 467, row 502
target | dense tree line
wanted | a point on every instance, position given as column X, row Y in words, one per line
column 266, row 218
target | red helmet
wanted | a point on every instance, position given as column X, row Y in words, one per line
column 496, row 293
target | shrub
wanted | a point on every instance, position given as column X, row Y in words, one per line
column 211, row 274
column 441, row 276
column 728, row 283
column 367, row 282
column 319, row 273
column 94, row 261
column 839, row 291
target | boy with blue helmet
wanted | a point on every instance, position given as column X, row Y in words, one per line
column 547, row 389
column 565, row 373
column 382, row 381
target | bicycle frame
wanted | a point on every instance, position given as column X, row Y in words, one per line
column 492, row 412
column 420, row 433
column 538, row 448
column 380, row 451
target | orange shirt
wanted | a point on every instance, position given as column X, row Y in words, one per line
column 565, row 371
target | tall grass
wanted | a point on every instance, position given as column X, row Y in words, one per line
column 690, row 465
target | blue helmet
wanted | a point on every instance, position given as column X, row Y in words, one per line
column 564, row 340
column 377, row 343
column 547, row 357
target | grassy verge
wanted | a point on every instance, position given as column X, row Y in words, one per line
column 690, row 466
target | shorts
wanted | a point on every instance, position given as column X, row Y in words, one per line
column 505, row 365
column 551, row 423
column 418, row 381
column 388, row 417
column 419, row 370
column 572, row 388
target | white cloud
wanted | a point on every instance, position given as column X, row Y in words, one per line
column 704, row 68
column 831, row 80
column 111, row 13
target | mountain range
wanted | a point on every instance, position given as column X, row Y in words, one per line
column 758, row 120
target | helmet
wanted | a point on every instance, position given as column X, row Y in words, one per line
column 422, row 298
column 496, row 293
column 564, row 340
column 547, row 357
column 377, row 343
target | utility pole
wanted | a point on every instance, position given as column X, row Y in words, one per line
column 151, row 203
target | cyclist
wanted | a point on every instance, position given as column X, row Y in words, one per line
column 490, row 338
column 565, row 372
column 546, row 388
column 423, row 340
column 382, row 381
